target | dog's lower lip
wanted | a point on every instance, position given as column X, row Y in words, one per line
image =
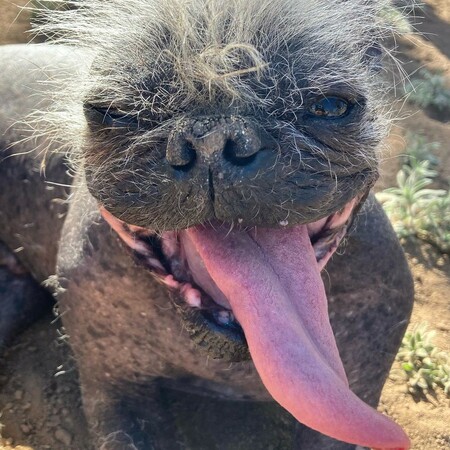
column 196, row 298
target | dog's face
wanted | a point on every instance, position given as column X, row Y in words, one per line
column 263, row 122
column 229, row 145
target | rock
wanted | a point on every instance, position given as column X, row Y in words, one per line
column 25, row 428
column 26, row 406
column 63, row 436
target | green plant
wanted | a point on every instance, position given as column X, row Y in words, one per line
column 414, row 209
column 437, row 226
column 429, row 89
column 420, row 149
column 396, row 18
column 425, row 366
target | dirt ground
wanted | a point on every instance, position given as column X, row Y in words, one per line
column 39, row 398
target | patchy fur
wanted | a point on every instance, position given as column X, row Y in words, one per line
column 162, row 63
column 217, row 51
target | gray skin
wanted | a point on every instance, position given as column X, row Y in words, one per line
column 127, row 338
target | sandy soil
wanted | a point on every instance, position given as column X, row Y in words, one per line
column 14, row 22
column 39, row 397
column 426, row 422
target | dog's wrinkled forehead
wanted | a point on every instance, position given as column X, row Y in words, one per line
column 247, row 54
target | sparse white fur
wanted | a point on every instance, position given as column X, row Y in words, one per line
column 214, row 47
column 174, row 60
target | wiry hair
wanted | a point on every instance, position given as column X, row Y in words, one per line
column 165, row 62
column 246, row 53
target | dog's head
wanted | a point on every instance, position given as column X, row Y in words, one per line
column 245, row 113
column 229, row 144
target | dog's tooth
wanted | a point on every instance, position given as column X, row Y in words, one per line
column 171, row 282
column 192, row 296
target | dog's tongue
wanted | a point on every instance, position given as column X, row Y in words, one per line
column 272, row 282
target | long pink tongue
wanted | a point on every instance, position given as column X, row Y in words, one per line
column 273, row 284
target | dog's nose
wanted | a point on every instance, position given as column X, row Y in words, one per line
column 238, row 143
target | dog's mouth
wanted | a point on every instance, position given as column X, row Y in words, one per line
column 172, row 258
column 258, row 292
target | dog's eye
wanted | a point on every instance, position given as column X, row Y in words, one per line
column 329, row 108
column 110, row 118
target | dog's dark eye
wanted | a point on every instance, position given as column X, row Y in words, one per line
column 329, row 108
column 110, row 118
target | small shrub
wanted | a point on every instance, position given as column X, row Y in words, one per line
column 420, row 149
column 415, row 210
column 426, row 367
column 437, row 227
column 429, row 89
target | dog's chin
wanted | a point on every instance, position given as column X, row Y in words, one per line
column 172, row 259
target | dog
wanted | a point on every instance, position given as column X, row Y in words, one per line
column 218, row 154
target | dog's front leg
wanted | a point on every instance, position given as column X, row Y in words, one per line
column 117, row 323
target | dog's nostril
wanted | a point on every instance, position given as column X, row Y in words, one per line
column 182, row 156
column 237, row 155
